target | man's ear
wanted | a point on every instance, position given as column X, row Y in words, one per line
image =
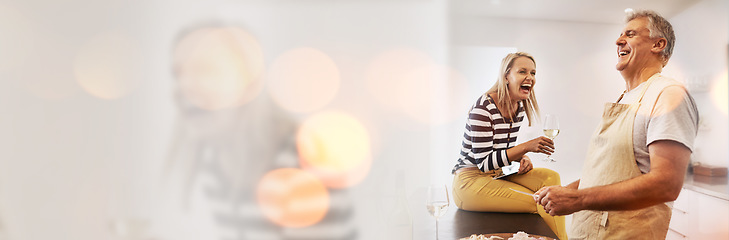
column 659, row 45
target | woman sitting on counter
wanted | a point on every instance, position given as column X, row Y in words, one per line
column 489, row 144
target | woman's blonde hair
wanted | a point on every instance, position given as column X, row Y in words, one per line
column 501, row 89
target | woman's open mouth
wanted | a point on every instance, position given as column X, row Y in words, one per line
column 526, row 88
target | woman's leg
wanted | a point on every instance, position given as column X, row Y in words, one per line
column 535, row 180
column 476, row 191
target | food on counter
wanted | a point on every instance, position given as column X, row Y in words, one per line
column 482, row 237
column 523, row 236
column 517, row 236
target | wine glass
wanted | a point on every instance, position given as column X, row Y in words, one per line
column 437, row 202
column 551, row 130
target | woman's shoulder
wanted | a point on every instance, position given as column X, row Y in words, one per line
column 484, row 100
column 485, row 105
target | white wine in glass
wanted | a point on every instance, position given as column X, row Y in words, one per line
column 437, row 202
column 437, row 209
column 551, row 130
column 551, row 133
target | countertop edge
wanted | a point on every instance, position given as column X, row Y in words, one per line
column 718, row 187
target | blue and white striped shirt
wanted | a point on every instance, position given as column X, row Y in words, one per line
column 488, row 134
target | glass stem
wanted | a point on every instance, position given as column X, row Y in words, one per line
column 436, row 228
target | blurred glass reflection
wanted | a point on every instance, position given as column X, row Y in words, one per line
column 107, row 66
column 228, row 148
column 303, row 80
column 219, row 67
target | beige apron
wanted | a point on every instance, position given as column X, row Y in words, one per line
column 610, row 159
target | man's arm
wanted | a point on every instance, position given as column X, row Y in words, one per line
column 663, row 183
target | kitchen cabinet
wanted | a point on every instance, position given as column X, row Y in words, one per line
column 699, row 213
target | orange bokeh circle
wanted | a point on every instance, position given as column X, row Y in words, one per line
column 292, row 197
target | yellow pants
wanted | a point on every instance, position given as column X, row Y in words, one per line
column 477, row 191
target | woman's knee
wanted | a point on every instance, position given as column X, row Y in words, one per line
column 550, row 176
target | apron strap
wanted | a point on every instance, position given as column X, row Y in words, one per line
column 621, row 96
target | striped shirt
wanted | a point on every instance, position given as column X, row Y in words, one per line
column 488, row 134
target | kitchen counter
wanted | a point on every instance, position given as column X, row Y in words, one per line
column 713, row 186
column 456, row 223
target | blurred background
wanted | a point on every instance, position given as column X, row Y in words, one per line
column 294, row 119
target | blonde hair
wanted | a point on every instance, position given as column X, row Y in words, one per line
column 501, row 89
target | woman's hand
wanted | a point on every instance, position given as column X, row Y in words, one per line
column 540, row 144
column 525, row 165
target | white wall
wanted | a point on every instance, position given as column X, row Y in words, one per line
column 700, row 60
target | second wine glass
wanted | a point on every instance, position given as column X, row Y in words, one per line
column 437, row 202
column 551, row 130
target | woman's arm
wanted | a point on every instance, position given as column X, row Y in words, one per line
column 540, row 144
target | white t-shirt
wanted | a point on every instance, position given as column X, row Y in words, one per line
column 667, row 112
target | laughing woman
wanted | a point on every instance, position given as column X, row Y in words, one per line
column 490, row 143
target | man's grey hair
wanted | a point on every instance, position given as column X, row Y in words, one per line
column 658, row 27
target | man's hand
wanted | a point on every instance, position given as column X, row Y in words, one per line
column 558, row 200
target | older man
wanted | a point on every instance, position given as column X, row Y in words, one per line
column 637, row 158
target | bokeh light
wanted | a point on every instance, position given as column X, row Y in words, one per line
column 108, row 66
column 219, row 67
column 303, row 80
column 292, row 197
column 668, row 105
column 336, row 148
column 388, row 69
column 426, row 92
column 720, row 93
